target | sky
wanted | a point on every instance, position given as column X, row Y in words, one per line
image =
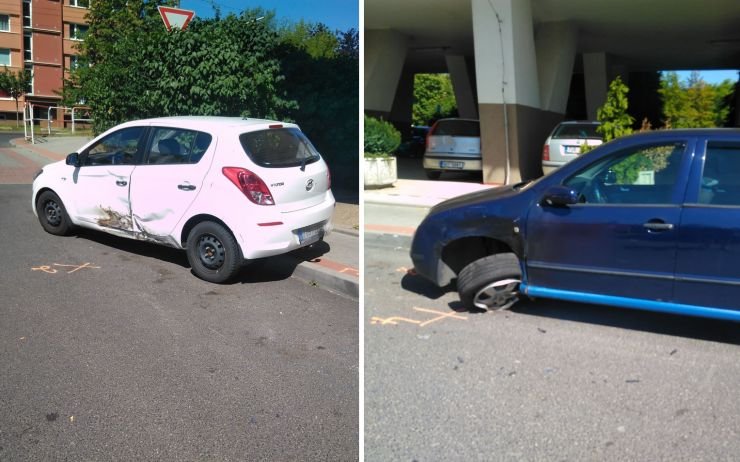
column 712, row 77
column 336, row 14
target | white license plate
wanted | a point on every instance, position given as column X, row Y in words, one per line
column 310, row 234
column 448, row 164
column 572, row 149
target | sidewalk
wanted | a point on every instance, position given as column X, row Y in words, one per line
column 399, row 209
column 336, row 270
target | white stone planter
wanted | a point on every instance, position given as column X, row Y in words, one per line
column 379, row 172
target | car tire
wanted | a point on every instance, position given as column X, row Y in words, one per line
column 52, row 214
column 213, row 252
column 433, row 174
column 490, row 283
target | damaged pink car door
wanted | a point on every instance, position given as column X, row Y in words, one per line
column 103, row 180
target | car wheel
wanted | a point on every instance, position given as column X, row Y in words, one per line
column 213, row 253
column 52, row 214
column 490, row 283
column 433, row 174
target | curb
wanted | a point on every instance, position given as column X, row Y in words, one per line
column 403, row 201
column 328, row 279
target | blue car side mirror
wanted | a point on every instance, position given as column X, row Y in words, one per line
column 560, row 196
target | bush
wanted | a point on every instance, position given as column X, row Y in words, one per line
column 381, row 138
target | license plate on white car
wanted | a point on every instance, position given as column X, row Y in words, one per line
column 310, row 234
column 572, row 149
column 449, row 164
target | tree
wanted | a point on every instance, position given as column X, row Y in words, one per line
column 16, row 85
column 133, row 68
column 615, row 121
column 694, row 103
column 434, row 98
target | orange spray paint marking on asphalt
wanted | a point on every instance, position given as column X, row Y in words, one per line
column 48, row 269
column 394, row 320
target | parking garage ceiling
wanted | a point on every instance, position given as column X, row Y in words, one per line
column 644, row 35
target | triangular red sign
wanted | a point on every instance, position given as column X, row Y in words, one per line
column 175, row 18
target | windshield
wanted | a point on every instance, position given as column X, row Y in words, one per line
column 278, row 147
column 576, row 131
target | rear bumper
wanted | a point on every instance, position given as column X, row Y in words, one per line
column 436, row 163
column 274, row 239
column 549, row 167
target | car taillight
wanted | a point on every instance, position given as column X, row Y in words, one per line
column 546, row 152
column 328, row 179
column 429, row 133
column 250, row 184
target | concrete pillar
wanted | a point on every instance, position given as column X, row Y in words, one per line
column 402, row 108
column 385, row 53
column 597, row 84
column 513, row 126
column 556, row 52
column 462, row 84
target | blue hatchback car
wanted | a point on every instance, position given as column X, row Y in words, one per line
column 650, row 221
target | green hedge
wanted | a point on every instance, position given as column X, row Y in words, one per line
column 381, row 138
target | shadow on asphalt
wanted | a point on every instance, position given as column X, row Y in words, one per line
column 712, row 330
column 277, row 268
column 420, row 286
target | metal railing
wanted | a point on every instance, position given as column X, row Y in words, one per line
column 29, row 119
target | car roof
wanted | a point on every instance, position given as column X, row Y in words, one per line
column 208, row 123
column 691, row 132
column 580, row 122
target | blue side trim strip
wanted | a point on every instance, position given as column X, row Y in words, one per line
column 633, row 303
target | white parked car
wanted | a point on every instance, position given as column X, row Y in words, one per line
column 227, row 190
column 452, row 145
column 566, row 142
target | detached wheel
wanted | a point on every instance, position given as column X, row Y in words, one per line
column 433, row 174
column 52, row 214
column 490, row 283
column 213, row 253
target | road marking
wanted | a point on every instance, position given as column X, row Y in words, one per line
column 51, row 270
column 394, row 320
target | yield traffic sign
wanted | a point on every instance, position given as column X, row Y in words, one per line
column 175, row 18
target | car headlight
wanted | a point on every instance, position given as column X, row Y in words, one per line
column 36, row 175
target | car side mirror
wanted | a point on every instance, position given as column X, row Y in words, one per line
column 560, row 196
column 73, row 159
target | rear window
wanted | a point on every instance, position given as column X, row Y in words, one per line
column 278, row 147
column 469, row 128
column 576, row 131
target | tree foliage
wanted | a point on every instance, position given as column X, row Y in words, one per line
column 694, row 103
column 137, row 69
column 615, row 121
column 321, row 75
column 434, row 98
column 15, row 84
column 381, row 137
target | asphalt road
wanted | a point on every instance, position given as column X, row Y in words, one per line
column 546, row 381
column 112, row 350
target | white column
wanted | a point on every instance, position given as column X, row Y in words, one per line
column 385, row 53
column 595, row 74
column 556, row 51
column 505, row 53
column 463, row 86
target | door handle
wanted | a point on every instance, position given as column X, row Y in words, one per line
column 658, row 226
column 121, row 182
column 186, row 187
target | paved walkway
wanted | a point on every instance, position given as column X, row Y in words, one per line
column 337, row 269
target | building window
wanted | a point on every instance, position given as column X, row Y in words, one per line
column 26, row 13
column 4, row 57
column 29, row 69
column 27, row 47
column 77, row 31
column 4, row 23
column 74, row 62
column 80, row 3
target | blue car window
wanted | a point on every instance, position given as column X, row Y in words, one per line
column 639, row 175
column 720, row 182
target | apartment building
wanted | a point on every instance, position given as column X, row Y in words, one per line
column 40, row 36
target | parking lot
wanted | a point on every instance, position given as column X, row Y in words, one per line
column 112, row 349
column 544, row 381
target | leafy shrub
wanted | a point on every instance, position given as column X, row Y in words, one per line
column 381, row 137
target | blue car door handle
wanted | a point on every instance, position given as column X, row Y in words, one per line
column 658, row 225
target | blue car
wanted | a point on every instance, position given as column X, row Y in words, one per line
column 649, row 221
